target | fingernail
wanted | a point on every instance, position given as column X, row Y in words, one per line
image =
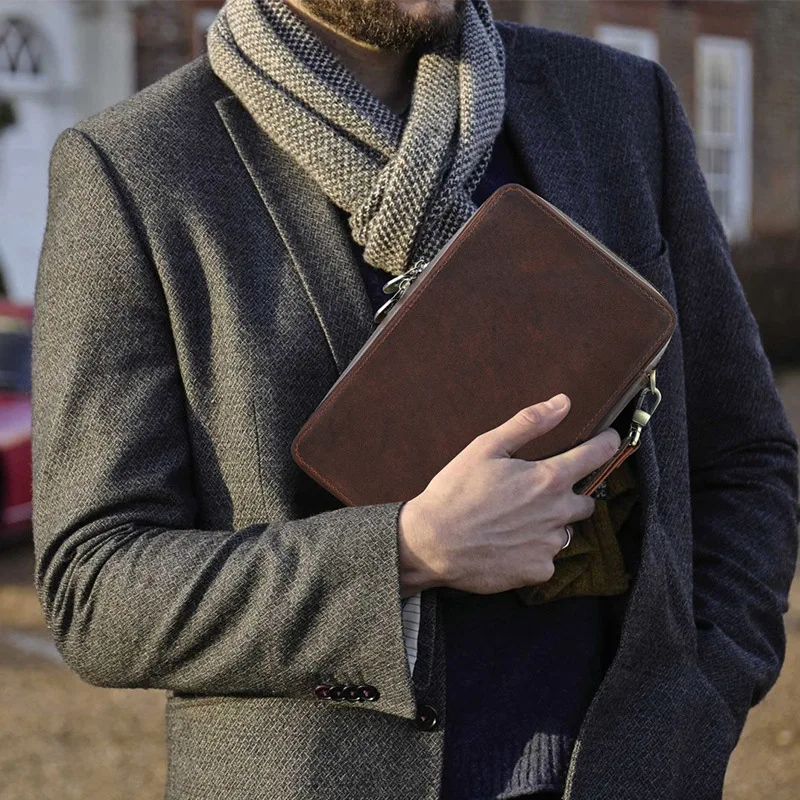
column 558, row 402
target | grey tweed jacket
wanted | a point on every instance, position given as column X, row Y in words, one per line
column 197, row 295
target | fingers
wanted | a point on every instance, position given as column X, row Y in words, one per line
column 556, row 540
column 578, row 507
column 526, row 424
column 570, row 507
column 565, row 469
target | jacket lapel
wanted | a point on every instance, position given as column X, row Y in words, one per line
column 312, row 232
column 543, row 134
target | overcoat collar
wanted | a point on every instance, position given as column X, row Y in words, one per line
column 542, row 131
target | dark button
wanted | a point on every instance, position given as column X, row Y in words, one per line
column 426, row 718
column 323, row 691
column 369, row 692
column 352, row 692
column 337, row 692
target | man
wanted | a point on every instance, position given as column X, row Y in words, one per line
column 198, row 293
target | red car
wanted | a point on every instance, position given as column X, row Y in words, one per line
column 15, row 420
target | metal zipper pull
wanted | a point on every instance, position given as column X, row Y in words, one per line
column 640, row 417
column 398, row 286
column 630, row 443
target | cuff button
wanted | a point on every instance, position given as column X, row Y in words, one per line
column 369, row 692
column 337, row 692
column 352, row 693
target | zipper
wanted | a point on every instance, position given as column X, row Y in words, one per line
column 399, row 286
column 420, row 270
column 408, row 280
column 614, row 411
column 632, row 440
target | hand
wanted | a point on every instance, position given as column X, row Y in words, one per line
column 488, row 522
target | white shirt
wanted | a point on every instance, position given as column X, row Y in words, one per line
column 411, row 608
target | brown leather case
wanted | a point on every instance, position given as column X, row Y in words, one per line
column 519, row 305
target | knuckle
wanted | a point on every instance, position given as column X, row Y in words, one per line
column 559, row 479
column 482, row 445
column 530, row 416
column 612, row 443
column 586, row 506
column 549, row 478
column 555, row 540
column 480, row 442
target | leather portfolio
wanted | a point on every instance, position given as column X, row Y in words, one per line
column 520, row 304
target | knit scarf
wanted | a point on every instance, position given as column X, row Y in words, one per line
column 406, row 184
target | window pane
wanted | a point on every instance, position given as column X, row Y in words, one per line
column 21, row 48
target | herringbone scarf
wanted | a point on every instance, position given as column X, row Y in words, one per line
column 405, row 184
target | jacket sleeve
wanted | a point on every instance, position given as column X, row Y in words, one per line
column 133, row 592
column 742, row 451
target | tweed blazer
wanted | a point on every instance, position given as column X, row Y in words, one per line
column 196, row 298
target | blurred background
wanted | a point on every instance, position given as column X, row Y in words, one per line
column 736, row 64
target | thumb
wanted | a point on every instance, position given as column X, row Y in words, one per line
column 526, row 424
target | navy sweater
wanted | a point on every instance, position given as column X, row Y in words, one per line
column 519, row 678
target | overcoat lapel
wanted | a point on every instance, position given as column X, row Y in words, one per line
column 543, row 134
column 312, row 231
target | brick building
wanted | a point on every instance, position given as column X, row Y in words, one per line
column 736, row 64
column 737, row 67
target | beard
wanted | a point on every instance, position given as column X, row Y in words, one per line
column 382, row 24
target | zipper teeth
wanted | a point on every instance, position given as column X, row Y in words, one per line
column 416, row 278
column 614, row 257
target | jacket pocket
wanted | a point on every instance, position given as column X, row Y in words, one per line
column 652, row 258
column 654, row 713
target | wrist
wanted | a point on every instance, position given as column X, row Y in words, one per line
column 415, row 572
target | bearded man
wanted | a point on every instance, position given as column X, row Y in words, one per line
column 215, row 251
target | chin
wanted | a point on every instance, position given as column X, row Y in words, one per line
column 427, row 8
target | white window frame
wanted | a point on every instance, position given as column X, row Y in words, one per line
column 18, row 82
column 736, row 217
column 639, row 41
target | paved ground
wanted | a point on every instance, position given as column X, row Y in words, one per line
column 63, row 739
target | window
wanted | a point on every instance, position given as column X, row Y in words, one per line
column 639, row 41
column 723, row 127
column 22, row 50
